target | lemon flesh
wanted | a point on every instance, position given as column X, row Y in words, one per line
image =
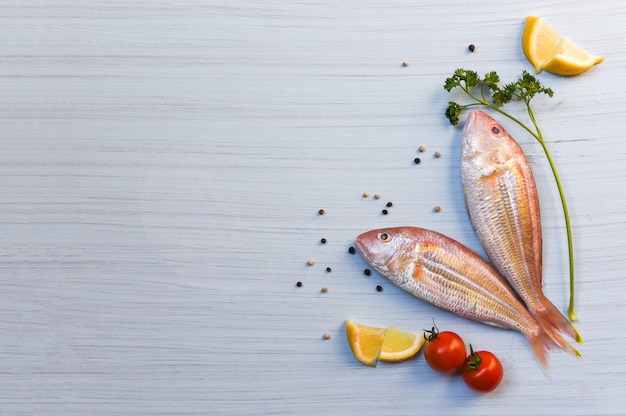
column 570, row 59
column 546, row 50
column 538, row 41
column 400, row 345
column 365, row 342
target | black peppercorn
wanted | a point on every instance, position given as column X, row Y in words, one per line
column 389, row 204
column 379, row 288
column 351, row 250
column 299, row 284
column 417, row 160
column 323, row 241
column 328, row 270
column 385, row 212
column 471, row 48
column 367, row 272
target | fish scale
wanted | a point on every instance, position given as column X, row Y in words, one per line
column 499, row 310
column 502, row 226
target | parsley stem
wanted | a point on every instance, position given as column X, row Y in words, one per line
column 570, row 245
column 568, row 226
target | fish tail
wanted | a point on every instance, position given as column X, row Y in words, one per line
column 555, row 324
column 551, row 329
column 541, row 343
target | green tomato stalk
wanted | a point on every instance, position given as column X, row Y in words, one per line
column 487, row 92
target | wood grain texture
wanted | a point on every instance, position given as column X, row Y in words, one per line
column 161, row 168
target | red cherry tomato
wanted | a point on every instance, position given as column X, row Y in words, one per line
column 482, row 371
column 444, row 351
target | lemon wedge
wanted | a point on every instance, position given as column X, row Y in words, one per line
column 546, row 50
column 370, row 344
column 400, row 345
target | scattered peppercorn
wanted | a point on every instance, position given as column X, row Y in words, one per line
column 324, row 290
column 471, row 48
column 422, row 149
column 366, row 194
column 326, row 336
column 405, row 63
column 437, row 208
column 321, row 212
column 310, row 262
column 351, row 250
column 389, row 204
column 323, row 241
column 385, row 212
column 299, row 284
column 328, row 270
column 376, row 196
column 437, row 154
column 379, row 288
column 417, row 160
column 367, row 272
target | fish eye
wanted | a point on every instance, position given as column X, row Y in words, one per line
column 384, row 237
column 495, row 130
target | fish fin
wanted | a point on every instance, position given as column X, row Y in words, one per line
column 555, row 324
column 554, row 334
column 562, row 343
column 540, row 344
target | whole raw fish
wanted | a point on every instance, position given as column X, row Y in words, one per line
column 442, row 271
column 503, row 206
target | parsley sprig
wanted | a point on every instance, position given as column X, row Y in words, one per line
column 487, row 92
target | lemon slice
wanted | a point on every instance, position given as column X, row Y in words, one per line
column 400, row 345
column 570, row 59
column 538, row 41
column 365, row 341
column 546, row 50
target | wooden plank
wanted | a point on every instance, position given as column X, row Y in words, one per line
column 162, row 165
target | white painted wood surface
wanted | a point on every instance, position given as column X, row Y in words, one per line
column 161, row 168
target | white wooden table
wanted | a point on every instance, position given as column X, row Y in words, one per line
column 162, row 164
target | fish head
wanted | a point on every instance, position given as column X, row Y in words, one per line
column 391, row 251
column 486, row 143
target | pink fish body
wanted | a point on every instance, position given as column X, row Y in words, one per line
column 447, row 274
column 503, row 206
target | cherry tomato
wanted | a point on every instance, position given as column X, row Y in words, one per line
column 482, row 371
column 444, row 351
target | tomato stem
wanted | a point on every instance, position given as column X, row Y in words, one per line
column 432, row 333
column 473, row 361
